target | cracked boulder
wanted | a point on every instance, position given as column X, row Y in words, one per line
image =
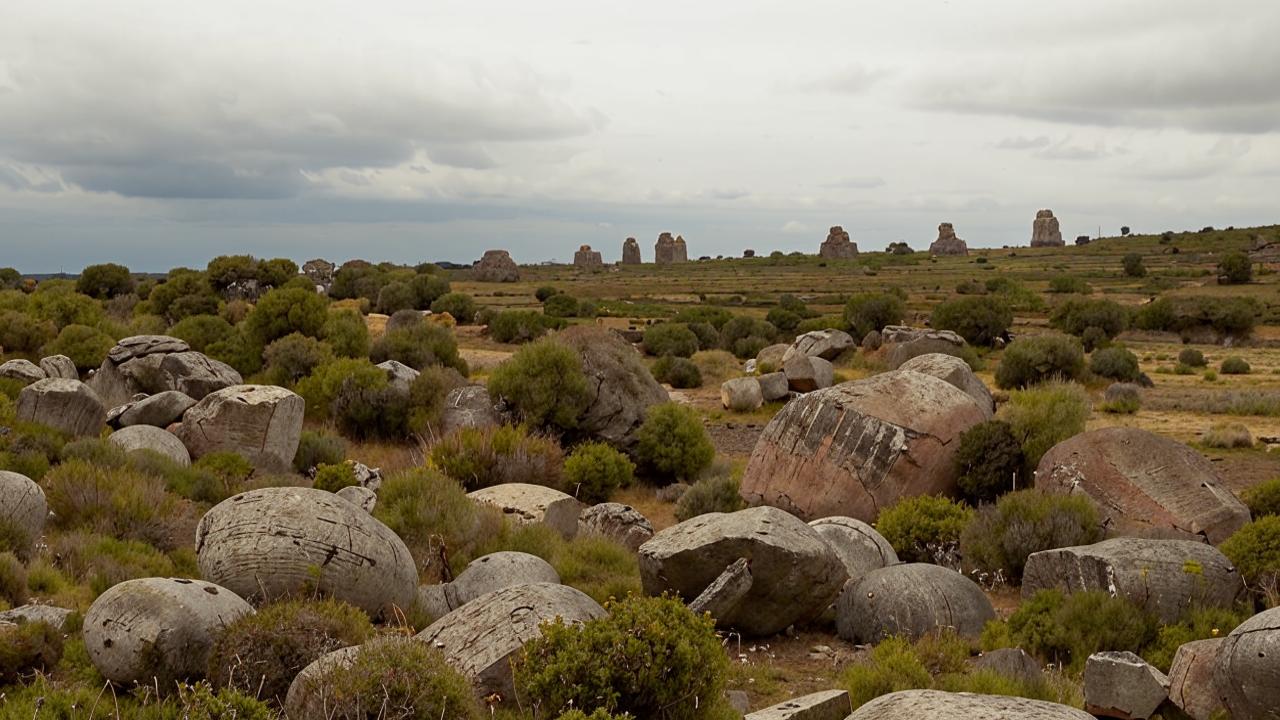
column 151, row 364
column 532, row 504
column 1191, row 683
column 825, row 344
column 956, row 372
column 858, row 546
column 23, row 509
column 270, row 543
column 1248, row 669
column 1123, row 685
column 620, row 386
column 52, row 615
column 59, row 366
column 742, row 394
column 940, row 705
column 484, row 575
column 1144, row 484
column 157, row 630
column 147, row 437
column 308, row 692
column 161, row 410
column 66, row 405
column 861, row 446
column 900, row 343
column 911, row 600
column 469, row 406
column 24, row 371
column 794, row 572
column 825, row 705
column 620, row 523
column 480, row 638
column 263, row 423
column 806, row 374
column 1165, row 577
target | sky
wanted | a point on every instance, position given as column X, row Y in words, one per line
column 161, row 134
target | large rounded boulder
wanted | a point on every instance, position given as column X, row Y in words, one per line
column 263, row 423
column 23, row 509
column 269, row 543
column 66, row 405
column 621, row 387
column 1144, row 484
column 1248, row 671
column 956, row 372
column 148, row 437
column 792, row 573
column 860, row 446
column 939, row 705
column 911, row 600
column 484, row 575
column 157, row 630
column 860, row 548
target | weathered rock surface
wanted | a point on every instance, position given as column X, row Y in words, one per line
column 148, row 437
column 939, row 705
column 479, row 638
column 631, row 252
column 621, row 387
column 901, row 343
column 319, row 272
column 22, row 507
column 308, row 693
column 268, row 543
column 620, row 523
column 151, row 364
column 741, row 394
column 587, row 259
column 496, row 266
column 1010, row 662
column 533, row 504
column 669, row 250
column 1045, row 231
column 23, row 371
column 196, row 374
column 161, row 410
column 1144, row 484
column 837, row 246
column 484, row 575
column 726, row 592
column 772, row 355
column 157, row 630
column 1191, row 683
column 825, row 705
column 261, row 422
column 947, row 242
column 59, row 366
column 52, row 615
column 826, row 344
column 360, row 496
column 795, row 573
column 806, row 374
column 774, row 386
column 1247, row 673
column 1123, row 685
column 469, row 406
column 860, row 446
column 1166, row 577
column 399, row 375
column 858, row 546
column 911, row 600
column 67, row 405
column 955, row 372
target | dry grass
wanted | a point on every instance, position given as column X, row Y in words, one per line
column 1227, row 436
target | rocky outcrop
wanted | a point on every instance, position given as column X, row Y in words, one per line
column 825, row 344
column 1247, row 675
column 860, row 446
column 939, row 705
column 484, row 575
column 161, row 410
column 148, row 437
column 837, row 246
column 806, row 374
column 1191, row 683
column 955, row 372
column 66, row 405
column 795, row 572
column 860, row 548
column 196, row 374
column 157, row 630
column 495, row 266
column 587, row 259
column 399, row 375
column 24, row 371
column 621, row 523
column 1045, row 231
column 771, row 356
column 59, row 366
column 1144, row 484
column 23, row 509
column 1165, row 577
column 261, row 422
column 269, row 543
column 150, row 364
column 51, row 615
column 669, row 250
column 319, row 272
column 1012, row 663
column 532, row 505
column 911, row 600
column 631, row 252
column 1123, row 685
column 480, row 638
column 901, row 343
column 620, row 385
column 469, row 406
column 741, row 394
column 360, row 496
column 947, row 242
column 825, row 705
column 774, row 386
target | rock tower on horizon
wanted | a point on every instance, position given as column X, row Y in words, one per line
column 587, row 259
column 947, row 242
column 670, row 250
column 837, row 246
column 631, row 252
column 1045, row 231
column 496, row 266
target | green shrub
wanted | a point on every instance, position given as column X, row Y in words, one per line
column 1227, row 436
column 714, row 492
column 104, row 281
column 1115, row 363
column 427, row 288
column 600, row 567
column 1001, row 536
column 1235, row 366
column 650, row 656
column 560, row 305
column 678, row 372
column 1263, row 498
column 783, row 319
column 1044, row 416
column 924, row 528
column 59, row 303
column 427, row 395
column 28, row 648
column 1235, row 268
column 1191, row 358
column 283, row 312
column 1210, row 376
column 318, row 448
column 332, row 478
column 419, row 346
column 745, row 336
column 1032, row 360
column 1067, row 629
column 294, row 357
column 230, row 466
column 892, row 667
column 521, row 326
column 1255, row 551
column 100, row 562
column 1094, row 338
column 872, row 311
column 544, row 292
column 979, row 320
column 481, row 457
column 1234, row 316
column 201, row 331
column 115, row 501
column 86, row 346
column 460, row 305
column 321, row 387
column 1199, row 624
column 1069, row 284
column 749, row 347
column 435, row 518
column 594, row 470
column 346, row 332
column 13, row 579
column 259, row 654
column 990, row 461
column 1133, row 267
column 367, row 408
column 670, row 339
column 1075, row 316
column 1122, row 398
column 672, row 444
column 713, row 316
column 21, row 333
column 708, row 336
column 544, row 383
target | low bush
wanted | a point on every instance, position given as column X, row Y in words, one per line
column 672, row 444
column 86, row 346
column 1235, row 366
column 1001, row 536
column 1235, row 268
column 1067, row 629
column 650, row 656
column 979, row 320
column 294, row 357
column 346, row 332
column 332, row 478
column 1044, row 416
column 28, row 648
column 678, row 372
column 521, row 326
column 560, row 305
column 427, row 395
column 713, row 316
column 670, row 339
column 318, row 448
column 1227, row 316
column 1191, row 358
column 1069, row 284
column 1133, row 267
column 259, row 654
column 1075, row 316
column 716, row 365
column 1227, row 436
column 481, row 457
column 990, row 461
column 545, row 384
column 602, row 568
column 1255, row 551
column 1263, row 498
column 321, row 387
column 1115, row 363
column 1094, row 338
column 1199, row 624
column 716, row 491
column 544, row 292
column 459, row 305
column 419, row 346
column 13, row 579
column 593, row 471
column 1210, row 376
column 872, row 311
column 1032, row 360
column 435, row 518
column 745, row 337
column 924, row 528
column 1122, row 399
column 115, row 501
column 708, row 336
column 100, row 562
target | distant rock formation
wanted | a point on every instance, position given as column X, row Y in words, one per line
column 496, row 266
column 947, row 242
column 588, row 259
column 631, row 252
column 748, row 253
column 670, row 250
column 1044, row 231
column 319, row 272
column 837, row 246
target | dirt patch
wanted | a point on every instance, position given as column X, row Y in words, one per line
column 735, row 440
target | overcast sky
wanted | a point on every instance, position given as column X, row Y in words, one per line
column 163, row 133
